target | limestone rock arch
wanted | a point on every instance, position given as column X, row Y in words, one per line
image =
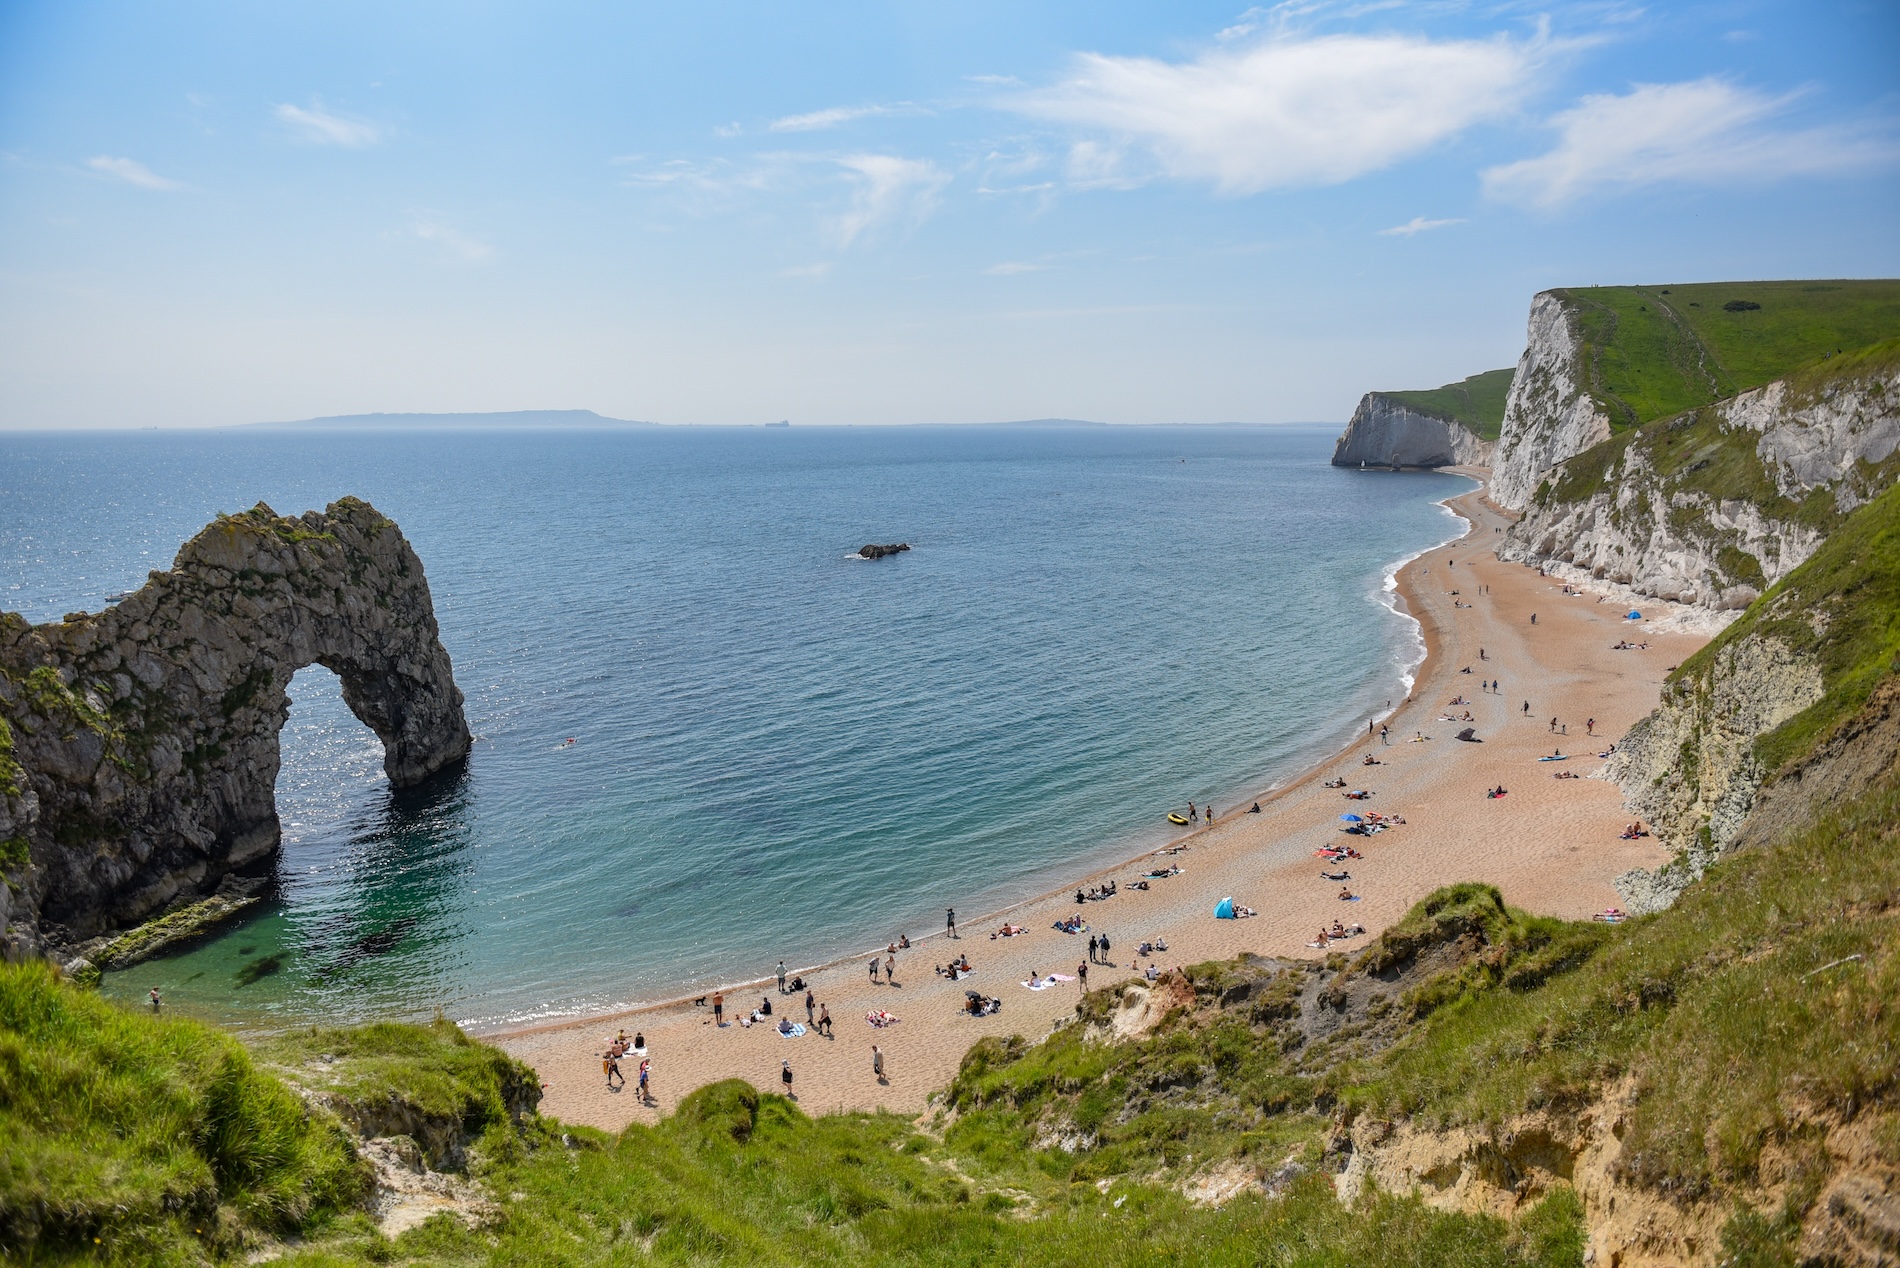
column 139, row 745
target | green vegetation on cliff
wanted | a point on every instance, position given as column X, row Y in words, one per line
column 1841, row 607
column 1652, row 351
column 1477, row 402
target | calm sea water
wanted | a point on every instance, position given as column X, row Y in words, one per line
column 781, row 751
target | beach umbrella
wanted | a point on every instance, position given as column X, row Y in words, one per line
column 1352, row 818
column 1224, row 909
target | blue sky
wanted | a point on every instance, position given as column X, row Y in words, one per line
column 863, row 213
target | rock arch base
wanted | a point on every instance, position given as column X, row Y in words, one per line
column 139, row 745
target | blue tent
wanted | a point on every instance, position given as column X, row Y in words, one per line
column 1224, row 909
column 1634, row 615
column 1352, row 818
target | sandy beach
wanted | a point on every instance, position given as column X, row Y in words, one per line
column 1551, row 845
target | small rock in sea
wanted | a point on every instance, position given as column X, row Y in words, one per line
column 878, row 552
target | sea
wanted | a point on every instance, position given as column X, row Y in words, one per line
column 709, row 736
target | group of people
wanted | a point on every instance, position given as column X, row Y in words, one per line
column 618, row 1047
column 958, row 968
column 1096, row 893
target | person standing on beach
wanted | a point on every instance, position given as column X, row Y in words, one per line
column 877, row 1063
column 1105, row 960
column 1527, row 708
column 874, row 970
column 781, row 977
column 890, row 969
column 808, row 1005
column 1533, row 618
column 1385, row 734
column 611, row 1065
column 824, row 1020
column 1094, row 942
column 719, row 1010
column 1082, row 976
column 785, row 1077
column 646, row 1090
column 1590, row 726
column 950, row 920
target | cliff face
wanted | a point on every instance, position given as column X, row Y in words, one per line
column 1713, row 506
column 1792, row 705
column 1385, row 432
column 1549, row 415
column 143, row 739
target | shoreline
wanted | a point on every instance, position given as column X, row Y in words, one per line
column 1552, row 846
column 1409, row 676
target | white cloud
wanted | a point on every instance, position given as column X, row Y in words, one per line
column 471, row 249
column 131, row 171
column 1287, row 110
column 320, row 127
column 819, row 269
column 820, row 120
column 889, row 190
column 1009, row 268
column 1704, row 131
column 1416, row 225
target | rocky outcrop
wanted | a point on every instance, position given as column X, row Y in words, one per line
column 1690, row 770
column 1386, row 432
column 1550, row 414
column 1714, row 506
column 875, row 551
column 144, row 757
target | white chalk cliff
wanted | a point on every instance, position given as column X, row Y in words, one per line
column 1387, row 432
column 1549, row 416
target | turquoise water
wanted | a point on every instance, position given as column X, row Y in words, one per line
column 781, row 750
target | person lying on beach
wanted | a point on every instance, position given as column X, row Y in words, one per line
column 1370, row 761
column 1335, row 876
column 1566, row 774
column 1338, row 781
column 1356, row 794
column 1419, row 737
column 1138, row 884
column 1242, row 913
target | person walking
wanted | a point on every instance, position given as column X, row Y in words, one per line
column 155, row 999
column 1193, row 814
column 646, row 1089
column 1105, row 960
column 1527, row 708
column 808, row 1005
column 719, row 1010
column 781, row 977
column 785, row 1077
column 950, row 920
column 1094, row 942
column 1533, row 618
column 1553, row 726
column 1590, row 726
column 1082, row 976
column 874, row 971
column 824, row 1020
column 877, row 1063
column 610, row 1065
column 1385, row 734
column 890, row 970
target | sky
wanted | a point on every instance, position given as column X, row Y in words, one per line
column 860, row 213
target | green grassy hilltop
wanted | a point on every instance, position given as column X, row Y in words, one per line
column 1476, row 402
column 1653, row 351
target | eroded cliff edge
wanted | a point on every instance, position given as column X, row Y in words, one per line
column 1713, row 506
column 139, row 745
column 1387, row 432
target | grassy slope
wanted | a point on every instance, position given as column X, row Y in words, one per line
column 1476, row 402
column 1843, row 607
column 1653, row 351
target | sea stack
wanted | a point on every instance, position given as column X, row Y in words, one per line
column 138, row 745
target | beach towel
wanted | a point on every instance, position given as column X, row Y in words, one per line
column 1061, row 977
column 796, row 1030
column 1041, row 985
column 1350, row 898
